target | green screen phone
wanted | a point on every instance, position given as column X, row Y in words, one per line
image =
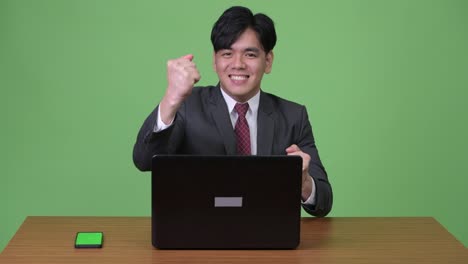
column 89, row 239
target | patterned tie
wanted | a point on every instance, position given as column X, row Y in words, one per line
column 242, row 130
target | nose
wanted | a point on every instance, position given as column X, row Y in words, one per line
column 238, row 62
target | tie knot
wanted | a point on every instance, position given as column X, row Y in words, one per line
column 241, row 109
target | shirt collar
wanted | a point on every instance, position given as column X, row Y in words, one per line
column 253, row 102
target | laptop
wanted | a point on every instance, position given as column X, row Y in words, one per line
column 226, row 202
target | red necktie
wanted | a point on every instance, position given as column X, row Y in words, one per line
column 242, row 130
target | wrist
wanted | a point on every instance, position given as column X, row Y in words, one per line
column 306, row 188
column 172, row 100
column 168, row 109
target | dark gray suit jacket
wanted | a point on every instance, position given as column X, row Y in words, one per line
column 203, row 126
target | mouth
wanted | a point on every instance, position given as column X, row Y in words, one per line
column 238, row 77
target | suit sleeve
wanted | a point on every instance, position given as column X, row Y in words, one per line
column 324, row 194
column 150, row 143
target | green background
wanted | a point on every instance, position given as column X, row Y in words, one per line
column 385, row 84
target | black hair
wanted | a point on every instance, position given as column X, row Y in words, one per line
column 234, row 21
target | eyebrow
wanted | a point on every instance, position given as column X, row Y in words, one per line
column 249, row 49
column 252, row 49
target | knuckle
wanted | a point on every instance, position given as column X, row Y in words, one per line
column 169, row 63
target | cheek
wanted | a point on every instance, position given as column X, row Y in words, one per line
column 257, row 69
column 217, row 67
column 220, row 66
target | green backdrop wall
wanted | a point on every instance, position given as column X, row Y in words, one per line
column 385, row 83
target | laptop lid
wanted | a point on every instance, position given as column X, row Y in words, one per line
column 226, row 202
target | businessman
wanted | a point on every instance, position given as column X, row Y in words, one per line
column 235, row 117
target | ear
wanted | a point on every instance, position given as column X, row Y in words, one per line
column 269, row 61
column 214, row 61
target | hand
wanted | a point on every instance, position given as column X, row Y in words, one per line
column 306, row 178
column 182, row 74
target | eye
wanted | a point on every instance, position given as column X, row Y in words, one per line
column 251, row 55
column 226, row 54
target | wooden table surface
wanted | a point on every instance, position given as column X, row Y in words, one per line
column 327, row 240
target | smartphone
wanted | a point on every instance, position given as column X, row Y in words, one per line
column 89, row 239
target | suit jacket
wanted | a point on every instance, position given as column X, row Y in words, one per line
column 202, row 126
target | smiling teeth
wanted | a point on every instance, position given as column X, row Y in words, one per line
column 238, row 77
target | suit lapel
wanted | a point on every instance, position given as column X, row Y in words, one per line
column 222, row 119
column 265, row 125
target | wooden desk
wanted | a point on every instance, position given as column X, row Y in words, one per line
column 328, row 240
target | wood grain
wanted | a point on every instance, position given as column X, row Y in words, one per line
column 327, row 240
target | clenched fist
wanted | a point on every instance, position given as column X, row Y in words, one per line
column 182, row 74
column 307, row 181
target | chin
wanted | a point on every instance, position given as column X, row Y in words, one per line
column 239, row 91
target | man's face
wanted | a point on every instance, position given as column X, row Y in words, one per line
column 240, row 69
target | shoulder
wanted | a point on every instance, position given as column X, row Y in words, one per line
column 202, row 95
column 204, row 92
column 280, row 104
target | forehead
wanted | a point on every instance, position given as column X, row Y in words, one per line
column 247, row 40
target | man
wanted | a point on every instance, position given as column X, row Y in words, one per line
column 210, row 120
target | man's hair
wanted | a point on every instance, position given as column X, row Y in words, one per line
column 234, row 21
